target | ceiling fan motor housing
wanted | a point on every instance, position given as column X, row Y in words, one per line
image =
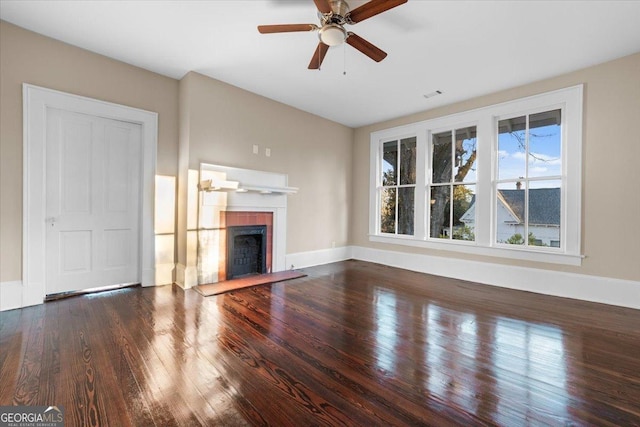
column 339, row 11
column 339, row 7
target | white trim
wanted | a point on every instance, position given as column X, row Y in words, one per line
column 186, row 277
column 485, row 118
column 624, row 293
column 10, row 295
column 36, row 100
column 319, row 257
column 180, row 275
column 520, row 253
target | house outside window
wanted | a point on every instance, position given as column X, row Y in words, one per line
column 503, row 180
column 529, row 179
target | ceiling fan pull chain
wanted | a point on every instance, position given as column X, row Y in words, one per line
column 344, row 50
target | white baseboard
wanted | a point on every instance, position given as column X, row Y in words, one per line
column 148, row 277
column 624, row 293
column 10, row 295
column 323, row 256
column 186, row 277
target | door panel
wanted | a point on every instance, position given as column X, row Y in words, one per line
column 117, row 170
column 75, row 168
column 93, row 168
column 117, row 246
column 75, row 252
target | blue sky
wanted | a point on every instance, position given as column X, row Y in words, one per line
column 544, row 159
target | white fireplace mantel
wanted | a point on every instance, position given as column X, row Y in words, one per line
column 268, row 194
column 209, row 185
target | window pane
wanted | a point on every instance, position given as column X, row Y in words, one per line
column 464, row 170
column 511, row 148
column 510, row 213
column 408, row 161
column 464, row 212
column 388, row 210
column 389, row 162
column 544, row 213
column 439, row 212
column 441, row 155
column 545, row 144
column 405, row 210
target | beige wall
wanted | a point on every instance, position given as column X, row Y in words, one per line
column 224, row 122
column 324, row 159
column 611, row 175
column 219, row 122
column 26, row 57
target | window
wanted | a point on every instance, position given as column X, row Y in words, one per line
column 503, row 180
column 397, row 192
column 529, row 190
column 452, row 186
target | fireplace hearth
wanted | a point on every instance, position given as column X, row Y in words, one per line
column 246, row 250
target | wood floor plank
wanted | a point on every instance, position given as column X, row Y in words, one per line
column 50, row 366
column 131, row 407
column 367, row 388
column 12, row 345
column 166, row 404
column 284, row 378
column 28, row 379
column 353, row 343
column 88, row 383
column 70, row 389
column 199, row 381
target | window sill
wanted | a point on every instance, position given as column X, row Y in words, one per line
column 474, row 249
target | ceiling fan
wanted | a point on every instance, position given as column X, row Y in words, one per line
column 334, row 15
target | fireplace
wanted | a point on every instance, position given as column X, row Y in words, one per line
column 217, row 211
column 246, row 250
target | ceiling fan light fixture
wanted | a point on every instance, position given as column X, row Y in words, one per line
column 332, row 35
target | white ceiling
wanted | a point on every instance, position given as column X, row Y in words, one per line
column 462, row 48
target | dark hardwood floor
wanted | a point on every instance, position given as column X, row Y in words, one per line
column 353, row 343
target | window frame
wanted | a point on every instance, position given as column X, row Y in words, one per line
column 397, row 186
column 568, row 100
column 528, row 179
column 429, row 178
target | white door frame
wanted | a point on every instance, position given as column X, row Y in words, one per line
column 36, row 100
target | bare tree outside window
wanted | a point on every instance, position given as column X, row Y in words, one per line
column 397, row 195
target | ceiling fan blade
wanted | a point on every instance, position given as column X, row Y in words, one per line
column 365, row 47
column 373, row 8
column 323, row 6
column 318, row 56
column 286, row 28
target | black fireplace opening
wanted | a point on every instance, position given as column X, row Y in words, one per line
column 246, row 250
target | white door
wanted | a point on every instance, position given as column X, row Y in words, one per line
column 92, row 179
